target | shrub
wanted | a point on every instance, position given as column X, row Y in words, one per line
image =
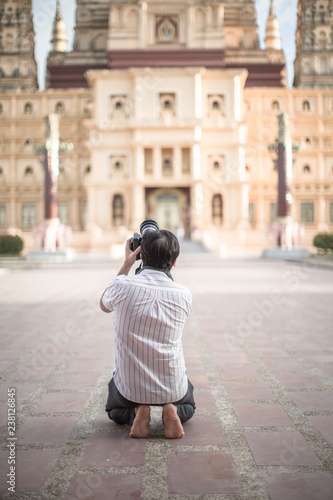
column 11, row 245
column 323, row 241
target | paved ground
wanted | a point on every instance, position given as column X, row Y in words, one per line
column 259, row 351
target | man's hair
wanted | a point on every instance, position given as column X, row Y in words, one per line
column 159, row 249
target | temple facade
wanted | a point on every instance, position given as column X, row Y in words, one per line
column 172, row 110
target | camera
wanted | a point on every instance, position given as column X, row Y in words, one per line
column 145, row 226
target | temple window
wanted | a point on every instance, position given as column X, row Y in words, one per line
column 307, row 211
column 217, row 209
column 215, row 105
column 28, row 171
column 59, row 107
column 167, row 104
column 28, row 108
column 3, row 215
column 63, row 212
column 251, row 213
column 275, row 105
column 167, row 167
column 119, row 106
column 306, row 106
column 28, row 215
column 118, row 210
column 273, row 211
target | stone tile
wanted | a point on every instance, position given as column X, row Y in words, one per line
column 313, row 400
column 22, row 390
column 319, row 357
column 201, row 431
column 238, row 372
column 327, row 370
column 76, row 381
column 117, row 449
column 280, row 448
column 304, row 345
column 222, row 343
column 32, row 373
column 324, row 424
column 46, row 430
column 261, row 415
column 201, row 472
column 204, row 401
column 5, row 363
column 195, row 365
column 293, row 380
column 85, row 365
column 248, row 390
column 61, row 402
column 274, row 352
column 102, row 421
column 199, row 380
column 33, row 469
column 104, row 486
column 10, row 353
column 280, row 364
column 96, row 353
column 299, row 486
column 230, row 358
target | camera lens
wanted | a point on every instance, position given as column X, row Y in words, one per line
column 148, row 225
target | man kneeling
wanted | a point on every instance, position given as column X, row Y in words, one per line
column 150, row 311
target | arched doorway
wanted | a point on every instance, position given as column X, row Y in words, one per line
column 170, row 207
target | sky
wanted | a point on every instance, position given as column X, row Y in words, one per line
column 44, row 11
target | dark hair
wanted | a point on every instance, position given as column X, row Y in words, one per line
column 159, row 249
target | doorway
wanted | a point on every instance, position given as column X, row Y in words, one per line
column 170, row 208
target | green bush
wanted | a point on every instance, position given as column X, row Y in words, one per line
column 11, row 245
column 323, row 241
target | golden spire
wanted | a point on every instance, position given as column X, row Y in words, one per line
column 59, row 39
column 273, row 37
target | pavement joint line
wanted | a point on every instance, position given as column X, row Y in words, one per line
column 237, row 445
column 303, row 425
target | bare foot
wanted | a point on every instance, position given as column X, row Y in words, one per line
column 173, row 428
column 140, row 427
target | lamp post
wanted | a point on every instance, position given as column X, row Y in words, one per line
column 285, row 230
column 50, row 151
column 51, row 168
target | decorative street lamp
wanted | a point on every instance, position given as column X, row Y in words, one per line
column 285, row 230
column 50, row 150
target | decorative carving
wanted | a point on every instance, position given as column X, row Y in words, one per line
column 166, row 29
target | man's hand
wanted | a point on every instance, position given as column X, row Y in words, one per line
column 130, row 258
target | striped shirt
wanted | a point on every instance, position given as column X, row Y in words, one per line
column 150, row 311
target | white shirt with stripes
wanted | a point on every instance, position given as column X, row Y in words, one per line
column 150, row 311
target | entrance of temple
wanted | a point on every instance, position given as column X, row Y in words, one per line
column 170, row 208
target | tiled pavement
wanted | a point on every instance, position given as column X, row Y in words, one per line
column 259, row 350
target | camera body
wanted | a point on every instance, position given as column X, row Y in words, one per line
column 145, row 226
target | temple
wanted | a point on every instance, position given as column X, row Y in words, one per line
column 171, row 108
